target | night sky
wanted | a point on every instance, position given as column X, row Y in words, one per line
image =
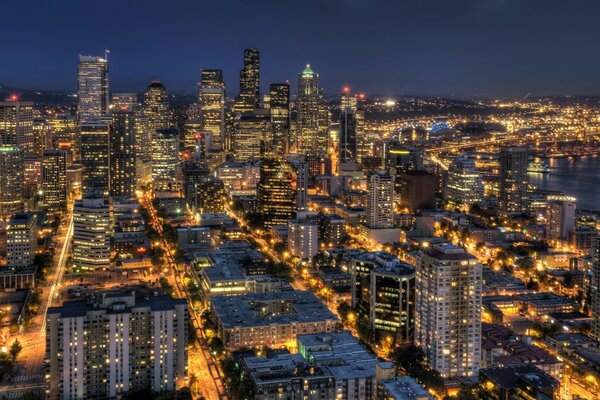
column 463, row 48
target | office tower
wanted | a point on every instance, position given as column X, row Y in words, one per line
column 250, row 132
column 16, row 125
column 74, row 178
column 560, row 217
column 194, row 173
column 54, row 180
column 380, row 203
column 156, row 107
column 399, row 158
column 21, row 239
column 448, row 309
column 275, row 192
column 122, row 153
column 143, row 150
column 91, row 232
column 11, row 181
column 211, row 101
column 595, row 288
column 279, row 109
column 124, row 101
column 249, row 96
column 116, row 343
column 165, row 155
column 65, row 135
column 513, row 164
column 417, row 190
column 348, row 135
column 303, row 239
column 210, row 196
column 92, row 82
column 333, row 230
column 95, row 151
column 300, row 166
column 42, row 137
column 383, row 290
column 463, row 182
column 312, row 140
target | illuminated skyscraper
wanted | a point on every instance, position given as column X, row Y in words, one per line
column 250, row 131
column 92, row 80
column 463, row 183
column 91, row 233
column 95, row 150
column 122, row 153
column 210, row 196
column 165, row 155
column 560, row 217
column 156, row 107
column 279, row 109
column 448, row 309
column 276, row 190
column 513, row 179
column 348, row 140
column 311, row 137
column 249, row 96
column 211, row 99
column 127, row 100
column 16, row 125
column 54, row 180
column 11, row 181
column 380, row 203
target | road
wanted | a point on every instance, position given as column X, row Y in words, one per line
column 201, row 360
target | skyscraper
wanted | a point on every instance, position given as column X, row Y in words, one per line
column 54, row 180
column 380, row 203
column 91, row 232
column 463, row 182
column 513, row 179
column 16, row 125
column 276, row 191
column 165, row 155
column 122, row 153
column 92, row 80
column 11, row 181
column 116, row 343
column 250, row 132
column 95, row 150
column 249, row 96
column 211, row 99
column 310, row 138
column 448, row 309
column 560, row 217
column 156, row 107
column 348, row 128
column 22, row 238
column 279, row 109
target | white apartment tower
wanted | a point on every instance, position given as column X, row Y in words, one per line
column 381, row 200
column 448, row 309
column 91, row 233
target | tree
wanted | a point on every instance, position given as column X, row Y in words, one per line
column 344, row 310
column 411, row 360
column 15, row 349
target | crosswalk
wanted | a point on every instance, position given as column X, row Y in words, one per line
column 26, row 378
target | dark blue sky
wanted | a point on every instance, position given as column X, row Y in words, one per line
column 424, row 47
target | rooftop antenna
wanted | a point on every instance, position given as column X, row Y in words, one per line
column 106, row 53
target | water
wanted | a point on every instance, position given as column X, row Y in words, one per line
column 574, row 176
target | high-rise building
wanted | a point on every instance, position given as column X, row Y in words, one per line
column 279, row 109
column 95, row 151
column 463, row 182
column 92, row 81
column 380, row 203
column 300, row 166
column 165, row 155
column 560, row 217
column 116, row 343
column 11, row 181
column 595, row 288
column 417, row 190
column 513, row 179
column 249, row 96
column 303, row 238
column 65, row 135
column 383, row 290
column 122, row 153
column 211, row 100
column 21, row 239
column 124, row 101
column 91, row 233
column 194, row 173
column 311, row 139
column 156, row 107
column 250, row 132
column 276, row 191
column 16, row 125
column 448, row 288
column 54, row 180
column 210, row 196
column 349, row 121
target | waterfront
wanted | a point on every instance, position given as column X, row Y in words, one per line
column 575, row 176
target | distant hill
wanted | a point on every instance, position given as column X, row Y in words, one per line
column 55, row 97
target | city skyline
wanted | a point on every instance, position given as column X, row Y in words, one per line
column 462, row 49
